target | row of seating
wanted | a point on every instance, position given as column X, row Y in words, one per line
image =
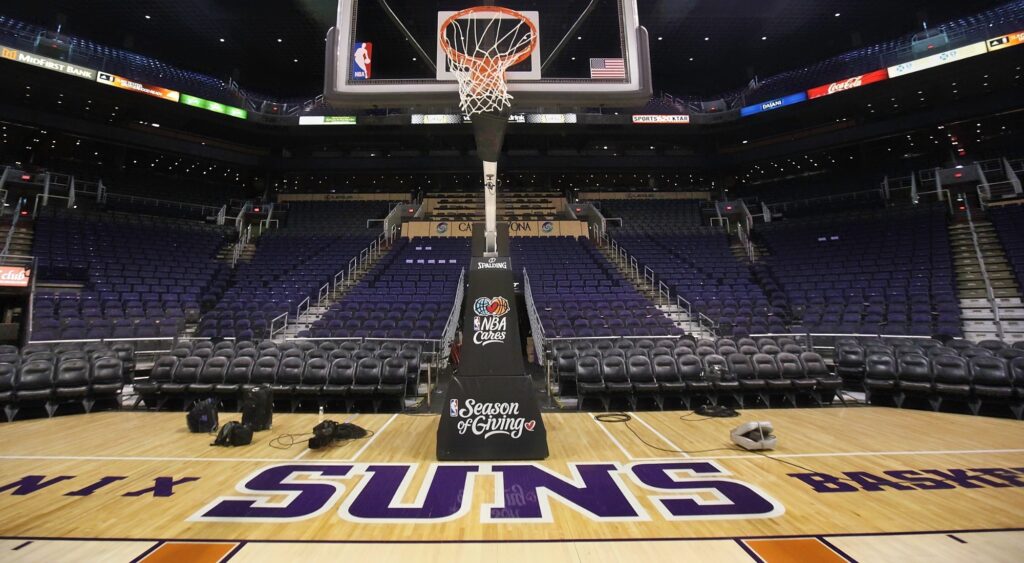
column 975, row 381
column 39, row 381
column 294, row 379
column 713, row 378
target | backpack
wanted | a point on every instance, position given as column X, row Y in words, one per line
column 258, row 408
column 203, row 416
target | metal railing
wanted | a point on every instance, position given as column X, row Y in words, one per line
column 665, row 293
column 240, row 218
column 243, row 241
column 10, row 232
column 197, row 209
column 989, row 293
column 281, row 319
column 452, row 324
column 536, row 327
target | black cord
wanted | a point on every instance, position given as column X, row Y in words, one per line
column 287, row 441
column 278, row 442
column 624, row 418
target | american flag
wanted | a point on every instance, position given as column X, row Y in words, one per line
column 607, row 68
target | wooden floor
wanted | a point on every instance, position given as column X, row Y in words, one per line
column 124, row 486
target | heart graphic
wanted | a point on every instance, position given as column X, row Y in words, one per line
column 494, row 307
column 529, row 425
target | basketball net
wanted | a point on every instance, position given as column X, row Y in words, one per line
column 482, row 43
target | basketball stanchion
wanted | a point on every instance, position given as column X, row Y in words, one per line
column 492, row 409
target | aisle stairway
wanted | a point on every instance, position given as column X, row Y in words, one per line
column 979, row 319
column 677, row 314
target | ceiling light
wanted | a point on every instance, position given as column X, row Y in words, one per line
column 221, row 39
column 279, row 40
column 707, row 39
column 148, row 18
column 837, row 14
column 764, row 38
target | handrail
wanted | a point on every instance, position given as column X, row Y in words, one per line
column 283, row 317
column 624, row 258
column 452, row 324
column 323, row 295
column 204, row 210
column 10, row 232
column 990, row 294
column 240, row 218
column 236, row 252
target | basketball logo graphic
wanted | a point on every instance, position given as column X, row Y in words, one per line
column 491, row 307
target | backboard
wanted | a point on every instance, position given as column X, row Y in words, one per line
column 385, row 54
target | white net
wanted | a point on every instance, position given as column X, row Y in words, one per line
column 481, row 46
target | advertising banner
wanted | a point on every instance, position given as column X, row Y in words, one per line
column 659, row 119
column 47, row 63
column 848, row 84
column 14, row 276
column 938, row 59
column 327, row 120
column 126, row 84
column 362, row 59
column 1002, row 42
column 215, row 107
column 774, row 104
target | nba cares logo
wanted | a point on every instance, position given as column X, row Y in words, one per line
column 491, row 306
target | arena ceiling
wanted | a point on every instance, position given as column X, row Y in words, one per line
column 699, row 47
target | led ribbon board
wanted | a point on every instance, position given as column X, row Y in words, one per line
column 215, row 107
column 774, row 104
column 47, row 63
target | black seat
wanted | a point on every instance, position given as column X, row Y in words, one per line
column 393, row 377
column 992, row 380
column 723, row 381
column 340, row 380
column 264, row 371
column 211, row 375
column 616, row 379
column 588, row 379
column 367, row 378
column 159, row 375
column 952, row 379
column 289, row 374
column 270, row 353
column 691, row 374
column 34, row 382
column 742, row 368
column 8, row 374
column 666, row 377
column 975, row 351
column 915, row 376
column 106, row 380
column 71, row 383
column 825, row 385
column 641, row 377
column 239, row 373
column 992, row 345
column 314, row 377
column 880, row 376
column 850, row 362
column 187, row 373
column 244, row 345
column 766, row 367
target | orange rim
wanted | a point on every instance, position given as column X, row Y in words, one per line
column 463, row 59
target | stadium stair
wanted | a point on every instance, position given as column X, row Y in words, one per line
column 979, row 320
column 304, row 322
column 674, row 312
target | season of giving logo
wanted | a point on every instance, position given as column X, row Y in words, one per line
column 490, row 324
column 489, row 419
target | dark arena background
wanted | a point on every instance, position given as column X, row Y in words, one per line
column 562, row 280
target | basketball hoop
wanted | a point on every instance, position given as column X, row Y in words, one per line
column 485, row 42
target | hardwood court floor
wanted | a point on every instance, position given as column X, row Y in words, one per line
column 954, row 491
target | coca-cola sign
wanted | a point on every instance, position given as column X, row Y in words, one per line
column 848, row 84
column 12, row 276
